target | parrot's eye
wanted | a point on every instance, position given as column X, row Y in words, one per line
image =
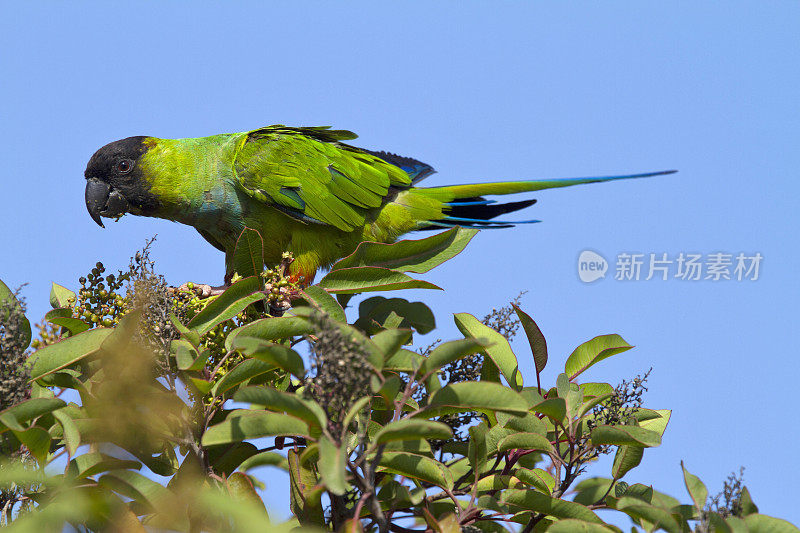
column 125, row 166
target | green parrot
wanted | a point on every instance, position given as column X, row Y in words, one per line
column 304, row 189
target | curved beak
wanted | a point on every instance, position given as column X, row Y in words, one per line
column 96, row 198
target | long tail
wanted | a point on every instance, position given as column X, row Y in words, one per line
column 465, row 205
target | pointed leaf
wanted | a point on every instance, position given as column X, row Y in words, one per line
column 37, row 441
column 71, row 435
column 227, row 305
column 626, row 459
column 331, row 466
column 450, row 351
column 475, row 396
column 594, row 351
column 418, row 256
column 542, row 503
column 572, row 525
column 412, row 429
column 61, row 296
column 317, row 297
column 525, row 441
column 92, row 463
column 535, row 339
column 696, row 488
column 759, row 523
column 370, row 279
column 541, row 479
column 271, row 329
column 477, row 450
column 14, row 416
column 499, row 351
column 417, row 467
column 245, row 424
column 625, row 436
column 242, row 372
column 274, row 354
column 248, row 254
column 66, row 352
column 284, row 402
column 7, row 295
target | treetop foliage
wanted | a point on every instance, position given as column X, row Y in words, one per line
column 182, row 398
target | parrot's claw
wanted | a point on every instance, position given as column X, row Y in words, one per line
column 202, row 290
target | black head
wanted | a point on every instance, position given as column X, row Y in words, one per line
column 115, row 184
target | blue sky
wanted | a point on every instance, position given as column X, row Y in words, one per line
column 482, row 91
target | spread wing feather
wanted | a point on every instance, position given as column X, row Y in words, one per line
column 308, row 173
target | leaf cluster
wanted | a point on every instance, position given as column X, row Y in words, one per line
column 338, row 406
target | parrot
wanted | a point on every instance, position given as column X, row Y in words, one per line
column 304, row 189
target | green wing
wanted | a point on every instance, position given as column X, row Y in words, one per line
column 310, row 175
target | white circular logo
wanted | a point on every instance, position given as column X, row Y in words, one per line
column 591, row 266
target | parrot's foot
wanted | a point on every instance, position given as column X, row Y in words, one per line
column 202, row 290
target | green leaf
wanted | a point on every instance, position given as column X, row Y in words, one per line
column 274, row 354
column 318, row 297
column 417, row 467
column 554, row 408
column 530, row 423
column 404, row 361
column 389, row 341
column 759, row 523
column 14, row 416
column 71, row 435
column 525, row 441
column 536, row 477
column 594, row 351
column 226, row 459
column 7, row 295
column 370, row 279
column 284, row 402
column 696, row 488
column 477, row 450
column 137, row 487
column 305, row 493
column 374, row 311
column 37, row 440
column 248, row 254
column 92, row 463
column 590, row 490
column 66, row 352
column 636, row 508
column 450, row 351
column 475, row 396
column 418, row 256
column 412, row 429
column 625, row 436
column 331, row 466
column 659, row 425
column 227, row 305
column 63, row 317
column 243, row 424
column 572, row 525
column 61, row 296
column 271, row 329
column 746, row 503
column 241, row 489
column 626, row 459
column 242, row 372
column 535, row 339
column 265, row 459
column 189, row 335
column 542, row 503
column 356, row 408
column 499, row 349
column 596, row 389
